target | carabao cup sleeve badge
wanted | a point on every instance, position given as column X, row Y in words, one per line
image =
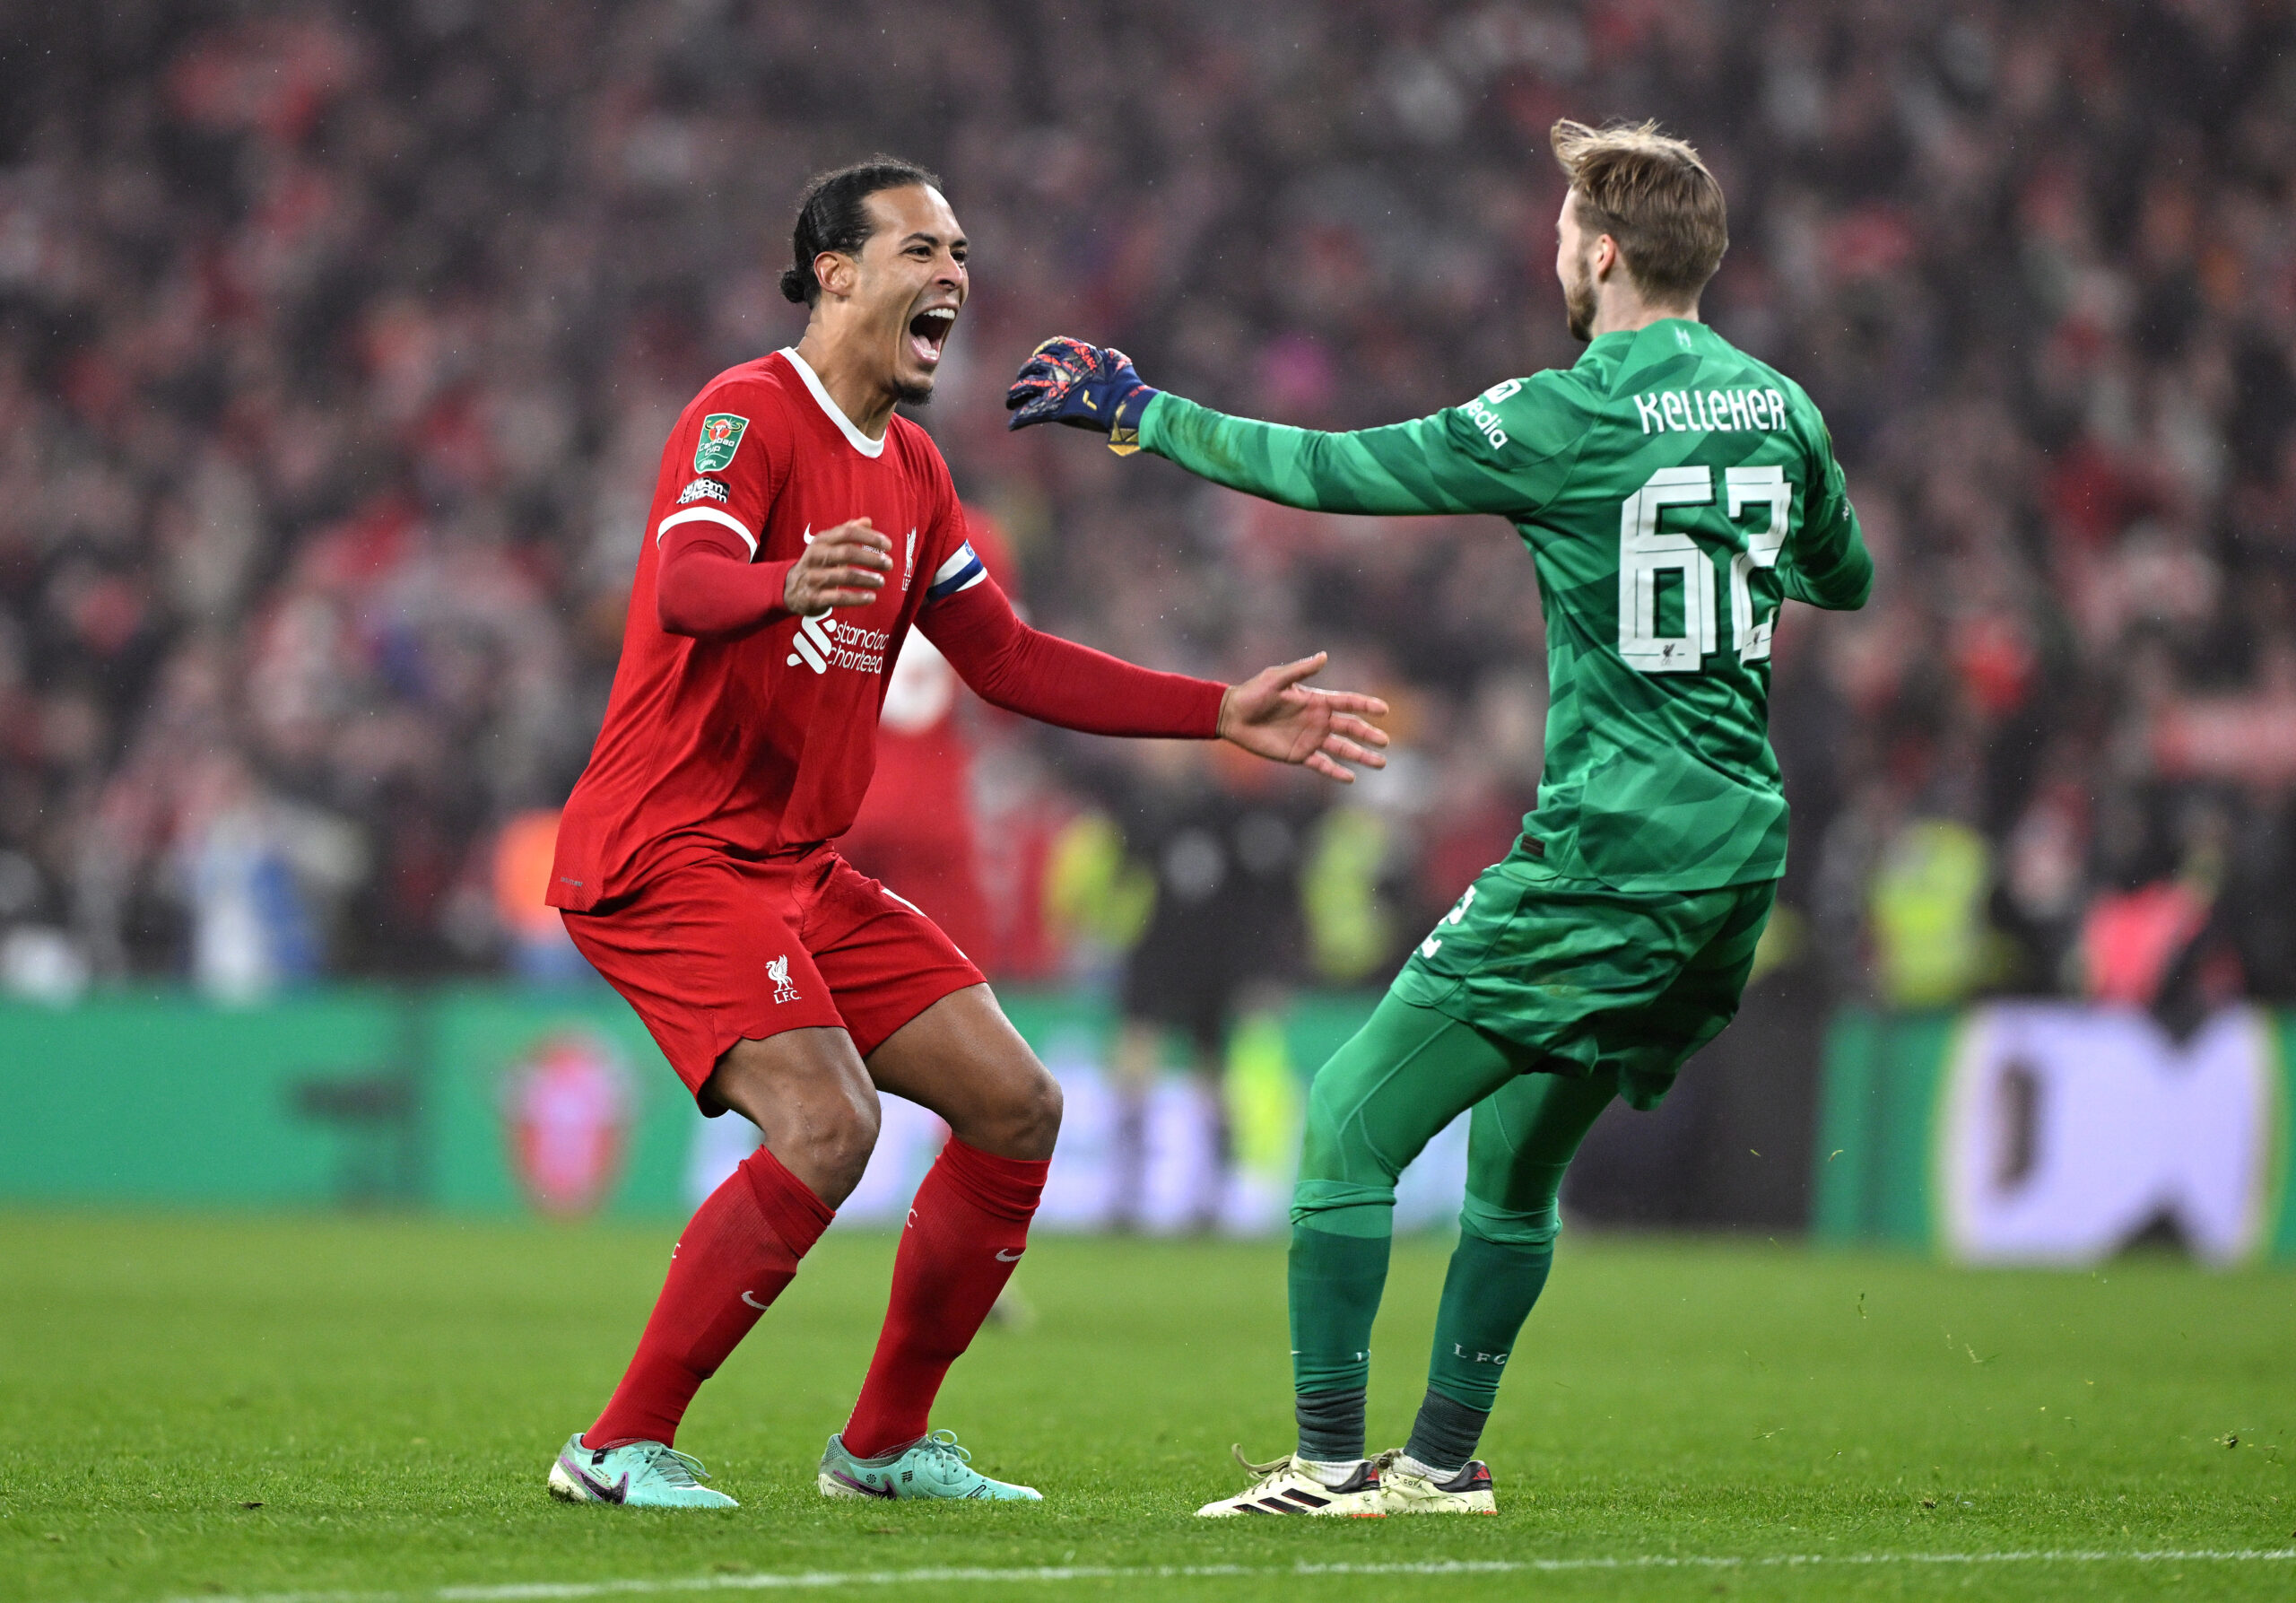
column 721, row 437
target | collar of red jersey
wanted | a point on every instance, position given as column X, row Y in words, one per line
column 860, row 441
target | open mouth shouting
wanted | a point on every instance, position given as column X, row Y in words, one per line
column 928, row 331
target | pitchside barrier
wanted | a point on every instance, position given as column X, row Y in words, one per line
column 505, row 1101
column 2012, row 1132
column 2036, row 1132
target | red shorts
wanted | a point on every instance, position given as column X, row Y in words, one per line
column 717, row 949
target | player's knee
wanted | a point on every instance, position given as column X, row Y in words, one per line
column 1045, row 1106
column 1532, row 1227
column 1021, row 1119
column 843, row 1135
column 1028, row 1121
column 814, row 1104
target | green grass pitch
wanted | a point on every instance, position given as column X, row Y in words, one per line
column 254, row 1406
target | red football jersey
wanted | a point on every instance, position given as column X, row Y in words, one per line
column 916, row 831
column 766, row 740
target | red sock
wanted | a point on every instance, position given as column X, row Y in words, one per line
column 741, row 1248
column 965, row 1231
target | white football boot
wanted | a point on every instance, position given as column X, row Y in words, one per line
column 1407, row 1486
column 1288, row 1486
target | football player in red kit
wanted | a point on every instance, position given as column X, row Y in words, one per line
column 799, row 529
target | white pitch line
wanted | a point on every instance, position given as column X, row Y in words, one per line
column 553, row 1591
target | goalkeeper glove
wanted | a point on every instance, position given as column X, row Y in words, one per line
column 1086, row 387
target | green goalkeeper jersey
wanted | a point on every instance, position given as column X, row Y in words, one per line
column 1674, row 491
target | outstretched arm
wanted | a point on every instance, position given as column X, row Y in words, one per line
column 1027, row 671
column 1464, row 459
column 1403, row 469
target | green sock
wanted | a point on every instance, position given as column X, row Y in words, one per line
column 1520, row 1141
column 1335, row 1281
column 1487, row 1294
column 1331, row 1426
column 1407, row 1073
column 1444, row 1435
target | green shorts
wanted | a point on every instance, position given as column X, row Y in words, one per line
column 1586, row 975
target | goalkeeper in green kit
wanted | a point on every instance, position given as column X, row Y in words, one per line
column 1674, row 492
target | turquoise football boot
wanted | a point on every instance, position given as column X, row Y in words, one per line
column 935, row 1467
column 638, row 1474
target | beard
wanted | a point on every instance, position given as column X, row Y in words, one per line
column 915, row 394
column 1579, row 299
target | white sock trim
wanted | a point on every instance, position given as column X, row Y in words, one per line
column 1407, row 1464
column 1328, row 1473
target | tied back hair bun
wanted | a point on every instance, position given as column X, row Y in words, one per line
column 830, row 216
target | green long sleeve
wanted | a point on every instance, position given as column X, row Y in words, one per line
column 1827, row 563
column 1442, row 463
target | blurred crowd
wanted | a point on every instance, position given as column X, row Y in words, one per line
column 337, row 346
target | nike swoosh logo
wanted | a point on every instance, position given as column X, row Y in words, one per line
column 606, row 1491
column 809, row 534
column 862, row 1487
column 753, row 1303
column 1010, row 1257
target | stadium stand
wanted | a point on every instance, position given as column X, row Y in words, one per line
column 336, row 350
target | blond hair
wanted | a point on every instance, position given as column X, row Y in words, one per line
column 1650, row 193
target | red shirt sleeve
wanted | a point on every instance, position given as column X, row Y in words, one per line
column 723, row 465
column 706, row 586
column 732, row 451
column 1026, row 671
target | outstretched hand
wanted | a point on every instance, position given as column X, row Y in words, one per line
column 1086, row 387
column 1274, row 715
